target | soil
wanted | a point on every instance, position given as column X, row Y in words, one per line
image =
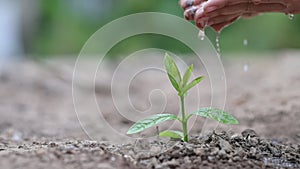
column 39, row 128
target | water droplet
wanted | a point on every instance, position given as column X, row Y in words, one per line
column 218, row 44
column 113, row 158
column 245, row 42
column 246, row 67
column 17, row 136
column 201, row 34
column 291, row 16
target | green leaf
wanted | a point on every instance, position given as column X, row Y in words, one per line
column 187, row 75
column 174, row 83
column 150, row 121
column 172, row 69
column 190, row 85
column 171, row 134
column 217, row 115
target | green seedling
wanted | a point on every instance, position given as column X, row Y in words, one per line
column 182, row 86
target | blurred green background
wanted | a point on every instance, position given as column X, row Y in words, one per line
column 62, row 27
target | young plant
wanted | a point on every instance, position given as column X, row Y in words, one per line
column 182, row 86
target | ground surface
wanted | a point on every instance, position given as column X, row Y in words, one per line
column 39, row 128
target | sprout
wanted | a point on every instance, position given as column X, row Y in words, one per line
column 182, row 86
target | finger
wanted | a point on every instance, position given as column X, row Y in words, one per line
column 201, row 24
column 233, row 10
column 222, row 19
column 199, row 17
column 188, row 3
column 257, row 2
column 200, row 21
column 214, row 5
column 247, row 8
column 189, row 13
column 219, row 27
column 264, row 8
column 230, row 10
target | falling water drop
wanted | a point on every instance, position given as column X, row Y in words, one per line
column 246, row 64
column 218, row 44
column 291, row 16
column 201, row 34
column 246, row 67
column 245, row 42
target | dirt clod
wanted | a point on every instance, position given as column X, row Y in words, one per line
column 218, row 151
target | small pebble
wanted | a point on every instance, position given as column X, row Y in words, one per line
column 249, row 133
column 222, row 153
column 225, row 145
column 155, row 149
column 187, row 160
column 236, row 158
column 173, row 163
column 210, row 158
column 199, row 151
column 52, row 144
column 253, row 141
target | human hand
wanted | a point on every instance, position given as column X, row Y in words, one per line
column 221, row 13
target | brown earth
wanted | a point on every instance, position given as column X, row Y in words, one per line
column 39, row 127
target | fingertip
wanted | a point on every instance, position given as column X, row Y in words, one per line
column 199, row 13
column 186, row 3
column 199, row 25
column 189, row 13
column 181, row 3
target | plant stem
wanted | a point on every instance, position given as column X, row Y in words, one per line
column 184, row 121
